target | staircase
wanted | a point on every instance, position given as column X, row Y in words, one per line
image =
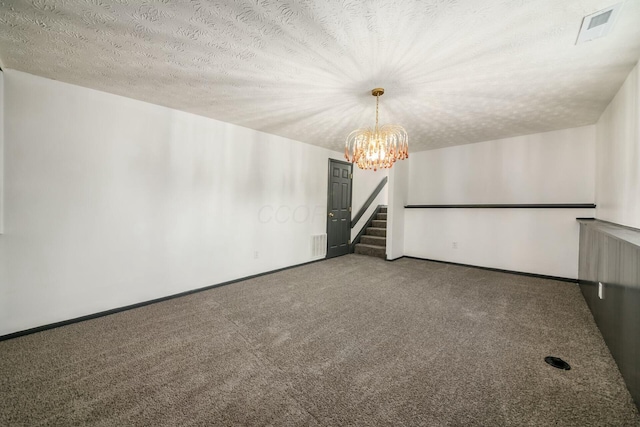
column 374, row 241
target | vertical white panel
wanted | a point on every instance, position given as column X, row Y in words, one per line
column 1, row 152
column 398, row 193
column 618, row 156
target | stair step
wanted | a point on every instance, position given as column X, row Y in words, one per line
column 381, row 216
column 374, row 240
column 383, row 210
column 374, row 231
column 371, row 250
column 378, row 223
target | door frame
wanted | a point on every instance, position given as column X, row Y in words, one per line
column 329, row 199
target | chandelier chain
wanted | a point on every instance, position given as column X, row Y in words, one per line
column 377, row 103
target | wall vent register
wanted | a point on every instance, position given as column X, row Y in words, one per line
column 319, row 246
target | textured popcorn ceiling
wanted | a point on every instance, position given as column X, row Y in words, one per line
column 455, row 71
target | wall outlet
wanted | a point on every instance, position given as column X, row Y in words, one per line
column 454, row 245
column 600, row 290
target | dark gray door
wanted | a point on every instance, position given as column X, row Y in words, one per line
column 339, row 208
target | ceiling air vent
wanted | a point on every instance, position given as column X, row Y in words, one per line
column 598, row 24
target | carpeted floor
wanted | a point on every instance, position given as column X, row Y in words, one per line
column 349, row 341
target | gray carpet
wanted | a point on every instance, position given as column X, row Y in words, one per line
column 348, row 341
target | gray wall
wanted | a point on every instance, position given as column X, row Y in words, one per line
column 610, row 254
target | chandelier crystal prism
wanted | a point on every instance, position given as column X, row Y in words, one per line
column 378, row 148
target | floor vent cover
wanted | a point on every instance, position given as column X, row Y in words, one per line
column 556, row 362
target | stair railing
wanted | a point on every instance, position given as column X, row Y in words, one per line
column 362, row 211
column 370, row 200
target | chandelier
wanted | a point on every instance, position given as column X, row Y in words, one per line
column 378, row 148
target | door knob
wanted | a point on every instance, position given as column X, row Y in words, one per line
column 330, row 213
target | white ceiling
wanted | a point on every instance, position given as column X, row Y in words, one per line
column 455, row 71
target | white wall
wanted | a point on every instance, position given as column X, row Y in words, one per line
column 551, row 167
column 540, row 241
column 112, row 201
column 364, row 182
column 398, row 196
column 1, row 152
column 618, row 156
